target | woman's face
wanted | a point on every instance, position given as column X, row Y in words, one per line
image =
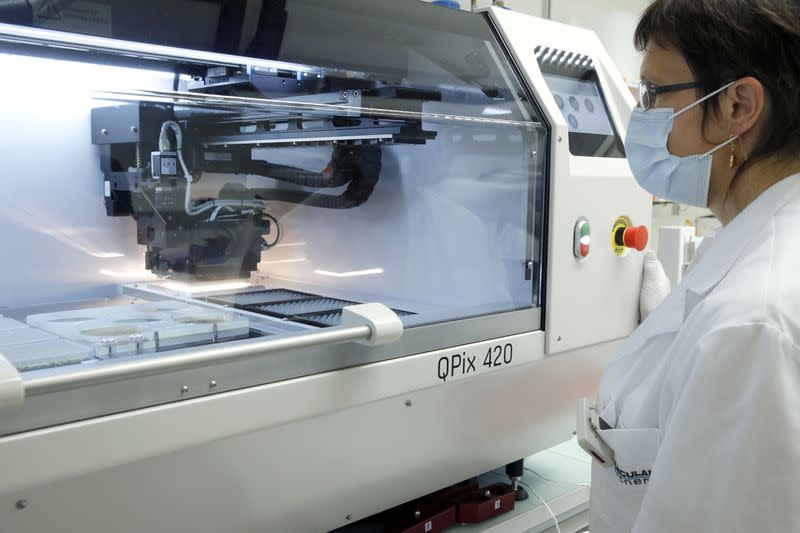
column 666, row 66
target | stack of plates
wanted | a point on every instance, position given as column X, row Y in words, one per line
column 142, row 328
column 29, row 348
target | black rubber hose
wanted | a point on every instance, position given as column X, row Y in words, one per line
column 339, row 171
column 365, row 174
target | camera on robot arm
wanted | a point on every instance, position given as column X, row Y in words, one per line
column 157, row 148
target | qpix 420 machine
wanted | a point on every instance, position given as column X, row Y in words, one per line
column 281, row 265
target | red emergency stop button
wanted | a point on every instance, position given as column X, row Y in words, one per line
column 635, row 237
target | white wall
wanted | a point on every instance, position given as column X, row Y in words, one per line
column 613, row 20
column 675, row 215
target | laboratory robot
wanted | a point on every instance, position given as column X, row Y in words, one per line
column 282, row 265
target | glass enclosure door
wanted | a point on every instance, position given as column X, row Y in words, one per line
column 157, row 199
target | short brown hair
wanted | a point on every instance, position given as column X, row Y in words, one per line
column 724, row 40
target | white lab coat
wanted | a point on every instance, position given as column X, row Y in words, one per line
column 704, row 397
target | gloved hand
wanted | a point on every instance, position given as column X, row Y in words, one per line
column 655, row 285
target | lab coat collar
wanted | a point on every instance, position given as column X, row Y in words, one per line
column 728, row 246
column 732, row 241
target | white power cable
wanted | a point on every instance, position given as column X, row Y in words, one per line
column 214, row 214
column 163, row 140
column 548, row 480
column 546, row 505
column 194, row 210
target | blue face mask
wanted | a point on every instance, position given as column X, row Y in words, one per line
column 683, row 180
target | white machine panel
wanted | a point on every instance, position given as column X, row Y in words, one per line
column 593, row 299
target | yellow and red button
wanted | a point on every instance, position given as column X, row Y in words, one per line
column 635, row 237
column 626, row 236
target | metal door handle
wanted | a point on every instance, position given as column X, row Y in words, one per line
column 371, row 324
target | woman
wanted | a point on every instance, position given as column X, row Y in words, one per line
column 702, row 406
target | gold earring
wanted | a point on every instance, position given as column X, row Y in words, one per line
column 733, row 161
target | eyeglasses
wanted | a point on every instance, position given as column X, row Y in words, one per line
column 648, row 91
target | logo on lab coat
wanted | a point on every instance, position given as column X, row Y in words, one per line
column 632, row 477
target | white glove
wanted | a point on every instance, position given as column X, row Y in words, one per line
column 655, row 285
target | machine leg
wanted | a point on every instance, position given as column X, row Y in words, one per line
column 514, row 471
